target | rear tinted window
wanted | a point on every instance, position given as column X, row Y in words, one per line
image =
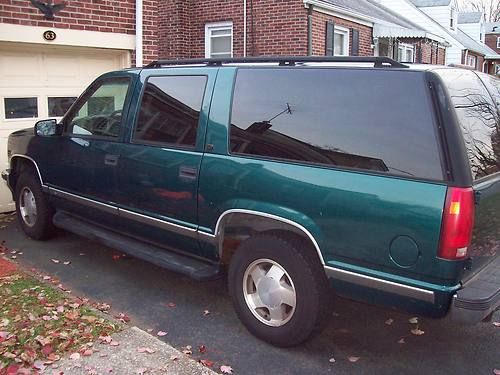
column 170, row 110
column 478, row 117
column 364, row 119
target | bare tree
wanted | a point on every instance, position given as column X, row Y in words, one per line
column 490, row 8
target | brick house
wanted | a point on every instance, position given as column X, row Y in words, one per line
column 492, row 40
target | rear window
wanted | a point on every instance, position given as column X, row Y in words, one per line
column 478, row 117
column 364, row 119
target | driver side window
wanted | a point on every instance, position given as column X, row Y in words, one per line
column 99, row 112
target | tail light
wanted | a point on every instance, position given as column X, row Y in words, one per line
column 458, row 221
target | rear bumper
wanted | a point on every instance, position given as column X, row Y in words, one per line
column 479, row 296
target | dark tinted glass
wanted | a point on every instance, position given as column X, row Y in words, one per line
column 58, row 106
column 366, row 119
column 478, row 117
column 20, row 108
column 170, row 110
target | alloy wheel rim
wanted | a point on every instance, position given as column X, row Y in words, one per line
column 269, row 292
column 27, row 207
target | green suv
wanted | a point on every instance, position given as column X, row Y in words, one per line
column 298, row 176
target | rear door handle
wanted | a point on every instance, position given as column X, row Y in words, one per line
column 188, row 173
column 111, row 160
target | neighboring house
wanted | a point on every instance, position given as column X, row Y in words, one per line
column 492, row 39
column 441, row 17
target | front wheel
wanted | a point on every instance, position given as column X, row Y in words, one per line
column 279, row 290
column 34, row 213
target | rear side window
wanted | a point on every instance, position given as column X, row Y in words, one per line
column 365, row 119
column 478, row 117
column 170, row 110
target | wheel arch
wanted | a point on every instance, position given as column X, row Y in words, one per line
column 19, row 163
column 242, row 223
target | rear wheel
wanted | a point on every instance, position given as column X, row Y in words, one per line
column 279, row 290
column 33, row 210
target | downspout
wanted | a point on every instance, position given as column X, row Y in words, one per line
column 466, row 55
column 244, row 28
column 138, row 34
column 309, row 29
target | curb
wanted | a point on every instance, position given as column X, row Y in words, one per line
column 127, row 360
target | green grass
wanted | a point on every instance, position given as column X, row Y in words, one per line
column 36, row 316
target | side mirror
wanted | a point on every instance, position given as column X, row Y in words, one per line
column 47, row 128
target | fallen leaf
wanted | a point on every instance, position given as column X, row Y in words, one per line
column 401, row 341
column 496, row 324
column 417, row 332
column 171, row 304
column 206, row 312
column 47, row 277
column 89, row 318
column 87, row 352
column 413, row 320
column 226, row 369
column 206, row 362
column 353, row 359
column 142, row 371
column 47, row 349
column 145, row 350
column 174, row 357
column 75, row 356
column 60, row 309
column 114, row 343
column 496, row 371
column 123, row 318
column 14, row 257
column 161, row 333
column 202, row 349
column 56, row 261
column 332, row 360
column 389, row 321
column 82, row 254
column 67, row 262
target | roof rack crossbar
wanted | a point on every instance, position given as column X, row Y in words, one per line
column 378, row 61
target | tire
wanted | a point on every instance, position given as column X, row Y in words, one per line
column 264, row 257
column 34, row 212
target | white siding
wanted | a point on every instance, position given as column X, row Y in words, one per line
column 408, row 10
column 441, row 15
column 472, row 29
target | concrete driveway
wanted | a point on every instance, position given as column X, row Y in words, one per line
column 161, row 300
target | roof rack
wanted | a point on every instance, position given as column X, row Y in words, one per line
column 378, row 61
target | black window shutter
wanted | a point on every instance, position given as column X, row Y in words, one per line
column 355, row 42
column 329, row 39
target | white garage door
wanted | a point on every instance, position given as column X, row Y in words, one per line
column 39, row 82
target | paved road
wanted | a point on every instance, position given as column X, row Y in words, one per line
column 144, row 292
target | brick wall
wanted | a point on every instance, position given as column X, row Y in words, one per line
column 491, row 41
column 113, row 16
column 430, row 53
column 479, row 59
column 273, row 27
column 319, row 32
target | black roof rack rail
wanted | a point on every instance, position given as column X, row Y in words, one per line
column 378, row 61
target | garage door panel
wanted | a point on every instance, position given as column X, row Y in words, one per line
column 61, row 70
column 24, row 69
column 28, row 71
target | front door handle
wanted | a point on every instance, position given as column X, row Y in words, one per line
column 111, row 160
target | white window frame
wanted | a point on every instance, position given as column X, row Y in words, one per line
column 209, row 27
column 345, row 32
column 471, row 58
column 404, row 48
column 498, row 41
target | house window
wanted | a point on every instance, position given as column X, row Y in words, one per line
column 452, row 18
column 406, row 53
column 20, row 108
column 219, row 39
column 341, row 41
column 471, row 61
column 498, row 41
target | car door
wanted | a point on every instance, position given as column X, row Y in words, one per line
column 82, row 166
column 159, row 168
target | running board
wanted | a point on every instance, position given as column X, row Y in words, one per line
column 172, row 261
